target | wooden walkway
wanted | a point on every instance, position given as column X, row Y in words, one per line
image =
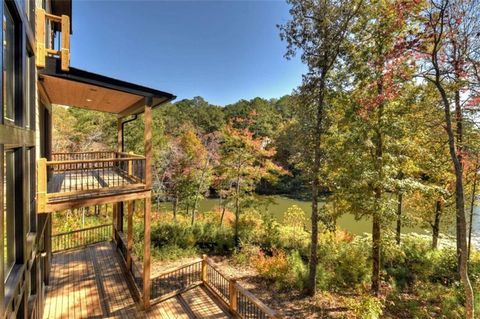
column 90, row 283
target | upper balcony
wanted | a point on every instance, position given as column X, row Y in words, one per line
column 72, row 180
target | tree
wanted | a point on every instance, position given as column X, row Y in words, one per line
column 449, row 48
column 244, row 161
column 318, row 28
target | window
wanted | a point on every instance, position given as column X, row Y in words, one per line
column 30, row 192
column 29, row 91
column 9, row 211
column 8, row 66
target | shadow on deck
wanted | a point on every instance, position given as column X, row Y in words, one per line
column 91, row 283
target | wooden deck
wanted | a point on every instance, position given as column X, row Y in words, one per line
column 90, row 283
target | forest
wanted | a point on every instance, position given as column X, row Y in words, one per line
column 384, row 128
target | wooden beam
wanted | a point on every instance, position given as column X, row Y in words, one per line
column 148, row 201
column 53, row 207
column 148, row 145
column 16, row 136
column 119, row 136
column 135, row 108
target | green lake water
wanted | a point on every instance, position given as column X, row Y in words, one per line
column 280, row 204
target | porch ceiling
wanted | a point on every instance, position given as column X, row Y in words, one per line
column 87, row 96
column 79, row 88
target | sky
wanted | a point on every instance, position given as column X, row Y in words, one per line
column 223, row 51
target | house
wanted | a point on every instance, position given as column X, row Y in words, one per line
column 42, row 277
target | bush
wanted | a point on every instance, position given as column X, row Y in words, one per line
column 352, row 266
column 246, row 255
column 366, row 307
column 285, row 271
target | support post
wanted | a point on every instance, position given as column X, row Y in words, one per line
column 232, row 292
column 148, row 201
column 130, row 234
column 41, row 185
column 204, row 269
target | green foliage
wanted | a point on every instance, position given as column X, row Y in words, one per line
column 366, row 307
column 285, row 271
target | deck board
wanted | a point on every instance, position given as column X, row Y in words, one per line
column 90, row 283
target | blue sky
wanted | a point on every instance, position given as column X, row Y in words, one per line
column 221, row 50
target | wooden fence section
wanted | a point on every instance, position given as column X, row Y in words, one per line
column 239, row 301
column 81, row 237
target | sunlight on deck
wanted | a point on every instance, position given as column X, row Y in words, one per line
column 90, row 283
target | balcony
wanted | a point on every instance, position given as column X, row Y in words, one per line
column 90, row 278
column 73, row 180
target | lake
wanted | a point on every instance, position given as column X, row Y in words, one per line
column 281, row 204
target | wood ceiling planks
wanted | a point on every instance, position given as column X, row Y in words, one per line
column 87, row 96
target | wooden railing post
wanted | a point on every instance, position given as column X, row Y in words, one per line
column 42, row 185
column 232, row 292
column 130, row 166
column 40, row 37
column 204, row 269
column 65, row 49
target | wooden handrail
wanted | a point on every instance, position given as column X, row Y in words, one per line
column 100, row 160
column 86, row 152
column 80, row 230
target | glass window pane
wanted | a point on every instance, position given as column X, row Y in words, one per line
column 8, row 213
column 8, row 65
column 28, row 92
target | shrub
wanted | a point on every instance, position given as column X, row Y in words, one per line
column 351, row 266
column 366, row 307
column 246, row 255
column 285, row 271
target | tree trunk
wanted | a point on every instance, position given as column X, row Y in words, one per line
column 312, row 276
column 376, row 238
column 223, row 212
column 237, row 213
column 175, row 207
column 472, row 206
column 199, row 188
column 461, row 221
column 436, row 224
column 399, row 218
column 378, row 162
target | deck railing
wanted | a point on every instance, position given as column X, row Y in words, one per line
column 135, row 271
column 240, row 301
column 81, row 237
column 75, row 156
column 85, row 174
column 176, row 280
